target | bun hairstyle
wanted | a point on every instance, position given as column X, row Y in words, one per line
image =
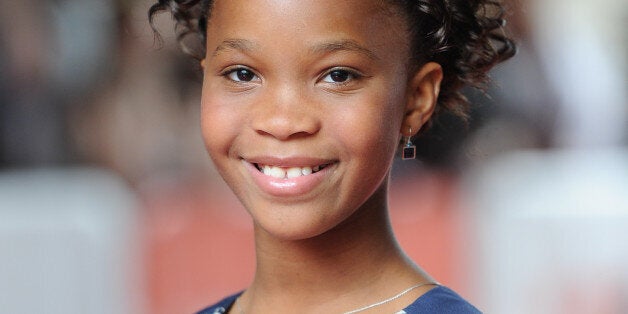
column 466, row 37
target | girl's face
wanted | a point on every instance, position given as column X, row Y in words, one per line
column 302, row 108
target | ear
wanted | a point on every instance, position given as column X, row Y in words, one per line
column 203, row 64
column 422, row 96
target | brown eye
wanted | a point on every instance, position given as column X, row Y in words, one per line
column 340, row 76
column 241, row 75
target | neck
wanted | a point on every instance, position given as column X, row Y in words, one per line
column 347, row 262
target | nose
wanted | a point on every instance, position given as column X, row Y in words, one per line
column 286, row 113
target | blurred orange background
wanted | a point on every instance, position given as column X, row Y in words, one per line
column 109, row 203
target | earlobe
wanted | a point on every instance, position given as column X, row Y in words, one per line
column 423, row 90
column 203, row 64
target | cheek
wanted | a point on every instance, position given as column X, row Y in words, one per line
column 372, row 132
column 382, row 124
column 218, row 124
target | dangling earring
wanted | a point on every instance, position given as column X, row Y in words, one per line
column 409, row 150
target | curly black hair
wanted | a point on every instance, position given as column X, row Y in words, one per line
column 466, row 37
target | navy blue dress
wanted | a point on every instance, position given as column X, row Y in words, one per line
column 441, row 300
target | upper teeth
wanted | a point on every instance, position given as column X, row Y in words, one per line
column 287, row 173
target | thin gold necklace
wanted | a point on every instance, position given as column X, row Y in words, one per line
column 397, row 296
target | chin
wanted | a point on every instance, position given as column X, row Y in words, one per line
column 298, row 224
column 293, row 234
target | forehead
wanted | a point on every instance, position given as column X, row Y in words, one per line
column 372, row 23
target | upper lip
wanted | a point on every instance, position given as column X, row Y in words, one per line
column 288, row 162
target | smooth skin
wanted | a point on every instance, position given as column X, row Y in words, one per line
column 316, row 82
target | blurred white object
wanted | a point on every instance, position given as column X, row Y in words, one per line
column 582, row 44
column 68, row 243
column 551, row 232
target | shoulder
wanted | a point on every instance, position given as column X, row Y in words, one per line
column 220, row 307
column 440, row 300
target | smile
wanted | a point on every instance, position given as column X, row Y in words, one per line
column 290, row 178
column 288, row 173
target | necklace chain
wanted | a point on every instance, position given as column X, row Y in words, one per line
column 395, row 297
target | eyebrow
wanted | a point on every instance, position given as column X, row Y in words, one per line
column 343, row 45
column 234, row 43
column 245, row 45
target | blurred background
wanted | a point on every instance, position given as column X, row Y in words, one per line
column 109, row 203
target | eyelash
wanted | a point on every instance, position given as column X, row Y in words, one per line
column 351, row 75
column 233, row 70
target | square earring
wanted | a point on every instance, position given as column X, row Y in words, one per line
column 409, row 150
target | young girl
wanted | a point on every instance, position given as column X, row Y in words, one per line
column 304, row 105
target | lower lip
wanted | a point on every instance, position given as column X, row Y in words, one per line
column 290, row 187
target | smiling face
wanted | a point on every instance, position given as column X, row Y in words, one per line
column 303, row 104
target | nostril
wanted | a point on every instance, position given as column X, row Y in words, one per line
column 300, row 135
column 262, row 132
column 287, row 133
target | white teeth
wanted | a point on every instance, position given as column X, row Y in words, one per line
column 283, row 173
column 293, row 173
column 266, row 170
column 306, row 170
column 277, row 172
